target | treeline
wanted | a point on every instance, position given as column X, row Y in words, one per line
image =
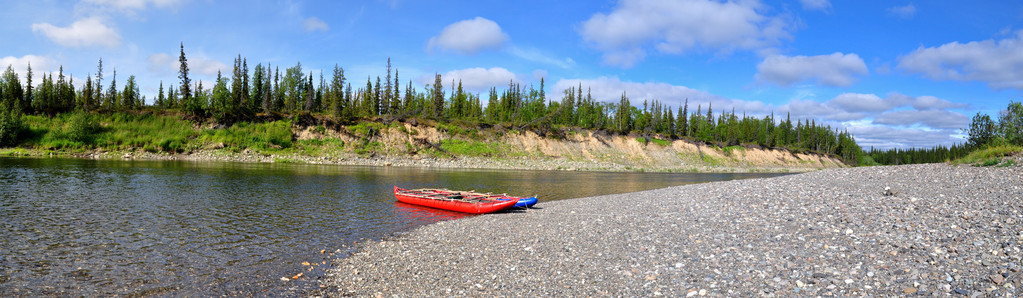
column 982, row 133
column 244, row 94
column 896, row 156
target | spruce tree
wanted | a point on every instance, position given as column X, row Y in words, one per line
column 186, row 83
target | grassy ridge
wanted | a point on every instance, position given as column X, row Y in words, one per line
column 79, row 132
column 991, row 156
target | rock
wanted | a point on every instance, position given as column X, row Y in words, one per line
column 997, row 279
column 959, row 291
column 888, row 191
column 909, row 290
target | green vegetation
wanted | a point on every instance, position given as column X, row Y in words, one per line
column 728, row 150
column 988, row 143
column 659, row 142
column 990, row 156
column 246, row 104
column 262, row 137
column 469, row 148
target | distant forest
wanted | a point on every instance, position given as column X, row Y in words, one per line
column 245, row 95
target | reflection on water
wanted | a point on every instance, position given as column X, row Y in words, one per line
column 84, row 227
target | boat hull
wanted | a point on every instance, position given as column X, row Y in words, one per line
column 484, row 206
column 525, row 202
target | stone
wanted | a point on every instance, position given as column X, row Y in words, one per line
column 909, row 290
column 997, row 279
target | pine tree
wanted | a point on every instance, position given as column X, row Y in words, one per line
column 396, row 97
column 160, row 98
column 98, row 94
column 438, row 96
column 28, row 86
column 186, row 83
column 86, row 98
column 129, row 96
column 112, row 100
column 385, row 98
column 310, row 95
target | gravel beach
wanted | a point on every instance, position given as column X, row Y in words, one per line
column 932, row 229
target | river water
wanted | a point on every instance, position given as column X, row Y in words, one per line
column 100, row 228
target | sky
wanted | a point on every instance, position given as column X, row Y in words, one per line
column 895, row 74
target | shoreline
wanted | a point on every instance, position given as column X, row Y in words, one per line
column 894, row 230
column 348, row 159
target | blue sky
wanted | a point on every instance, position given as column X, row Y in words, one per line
column 894, row 73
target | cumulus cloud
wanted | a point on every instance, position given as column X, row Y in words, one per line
column 610, row 89
column 884, row 137
column 859, row 106
column 940, row 119
column 82, row 33
column 906, row 12
column 836, row 69
column 999, row 63
column 313, row 24
column 815, row 4
column 479, row 79
column 469, row 36
column 165, row 63
column 677, row 26
column 40, row 65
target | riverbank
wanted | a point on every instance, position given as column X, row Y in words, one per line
column 419, row 143
column 885, row 231
column 460, row 162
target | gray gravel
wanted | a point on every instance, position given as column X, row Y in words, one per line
column 937, row 230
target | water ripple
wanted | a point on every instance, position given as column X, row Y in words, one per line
column 101, row 228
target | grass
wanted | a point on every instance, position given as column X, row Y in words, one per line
column 81, row 131
column 469, row 148
column 990, row 156
column 366, row 129
column 659, row 142
column 270, row 137
column 728, row 150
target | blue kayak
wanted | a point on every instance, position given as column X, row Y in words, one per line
column 524, row 202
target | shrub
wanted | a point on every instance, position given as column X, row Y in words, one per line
column 80, row 127
column 11, row 126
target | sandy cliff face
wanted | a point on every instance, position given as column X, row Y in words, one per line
column 678, row 154
column 581, row 147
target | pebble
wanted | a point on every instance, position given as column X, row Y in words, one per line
column 765, row 236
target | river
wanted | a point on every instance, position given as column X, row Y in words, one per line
column 72, row 227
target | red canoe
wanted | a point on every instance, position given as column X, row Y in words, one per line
column 461, row 201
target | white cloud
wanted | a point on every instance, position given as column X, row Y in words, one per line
column 836, row 69
column 939, row 119
column 165, row 63
column 885, row 137
column 478, row 79
column 469, row 36
column 906, row 12
column 39, row 64
column 676, row 26
column 816, row 4
column 82, row 33
column 609, row 89
column 857, row 102
column 313, row 24
column 997, row 63
column 858, row 106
